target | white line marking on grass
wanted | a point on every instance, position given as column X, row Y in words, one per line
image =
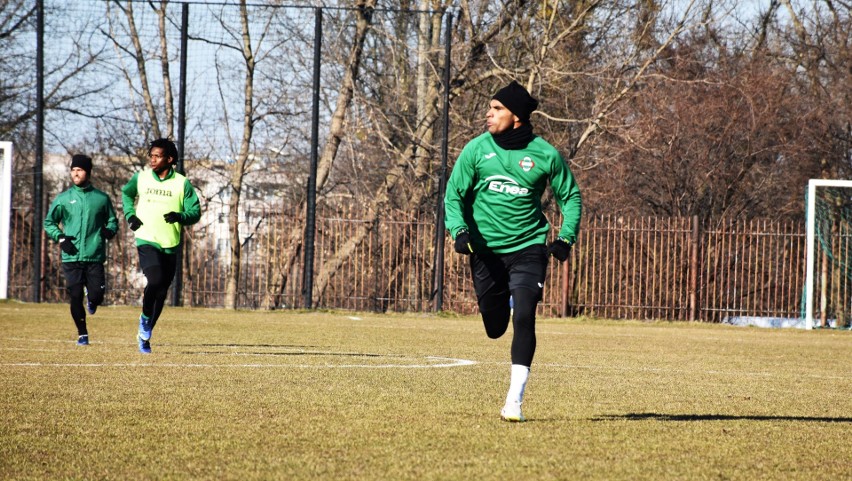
column 452, row 363
column 26, row 349
column 232, row 350
column 448, row 362
column 63, row 341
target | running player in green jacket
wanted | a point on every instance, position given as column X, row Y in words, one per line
column 494, row 214
column 164, row 201
column 81, row 219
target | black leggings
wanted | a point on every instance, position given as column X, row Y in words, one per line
column 159, row 269
column 519, row 275
column 496, row 322
column 80, row 275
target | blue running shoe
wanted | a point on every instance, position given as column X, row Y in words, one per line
column 91, row 307
column 144, row 328
column 144, row 345
column 83, row 340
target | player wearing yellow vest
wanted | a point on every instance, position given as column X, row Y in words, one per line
column 156, row 202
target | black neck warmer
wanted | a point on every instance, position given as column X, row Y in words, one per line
column 515, row 139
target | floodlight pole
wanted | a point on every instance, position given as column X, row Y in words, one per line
column 38, row 166
column 311, row 202
column 438, row 273
column 177, row 285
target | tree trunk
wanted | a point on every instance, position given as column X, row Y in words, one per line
column 139, row 57
column 415, row 187
column 164, row 65
column 240, row 165
column 336, row 132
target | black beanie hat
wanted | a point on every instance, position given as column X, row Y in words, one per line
column 82, row 161
column 517, row 100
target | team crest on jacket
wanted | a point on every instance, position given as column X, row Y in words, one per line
column 527, row 164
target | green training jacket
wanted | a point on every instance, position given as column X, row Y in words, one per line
column 81, row 211
column 154, row 197
column 496, row 195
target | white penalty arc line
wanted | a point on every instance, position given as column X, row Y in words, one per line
column 448, row 362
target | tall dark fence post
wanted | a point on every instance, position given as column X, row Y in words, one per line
column 693, row 269
column 311, row 202
column 181, row 126
column 566, row 288
column 438, row 273
column 38, row 180
column 377, row 266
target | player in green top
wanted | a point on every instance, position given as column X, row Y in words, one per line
column 87, row 221
column 493, row 211
column 164, row 201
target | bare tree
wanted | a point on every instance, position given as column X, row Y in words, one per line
column 241, row 163
column 364, row 14
column 240, row 36
column 17, row 20
column 152, row 112
column 66, row 89
column 535, row 43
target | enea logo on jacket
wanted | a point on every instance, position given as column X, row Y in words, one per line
column 506, row 185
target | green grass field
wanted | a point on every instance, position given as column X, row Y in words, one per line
column 319, row 395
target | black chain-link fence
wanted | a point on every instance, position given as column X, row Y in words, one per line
column 114, row 75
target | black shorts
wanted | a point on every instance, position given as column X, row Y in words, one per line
column 86, row 273
column 150, row 256
column 503, row 273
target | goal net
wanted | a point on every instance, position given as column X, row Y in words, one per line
column 828, row 280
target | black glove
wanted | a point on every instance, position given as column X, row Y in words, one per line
column 172, row 217
column 462, row 245
column 66, row 243
column 134, row 222
column 559, row 249
column 106, row 233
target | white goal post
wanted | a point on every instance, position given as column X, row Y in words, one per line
column 812, row 251
column 5, row 215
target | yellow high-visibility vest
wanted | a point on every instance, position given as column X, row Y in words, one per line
column 157, row 197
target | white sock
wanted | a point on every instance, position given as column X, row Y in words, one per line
column 518, row 383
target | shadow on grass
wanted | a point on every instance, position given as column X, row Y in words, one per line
column 716, row 417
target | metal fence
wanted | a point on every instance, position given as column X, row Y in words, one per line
column 623, row 268
column 632, row 268
column 246, row 90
